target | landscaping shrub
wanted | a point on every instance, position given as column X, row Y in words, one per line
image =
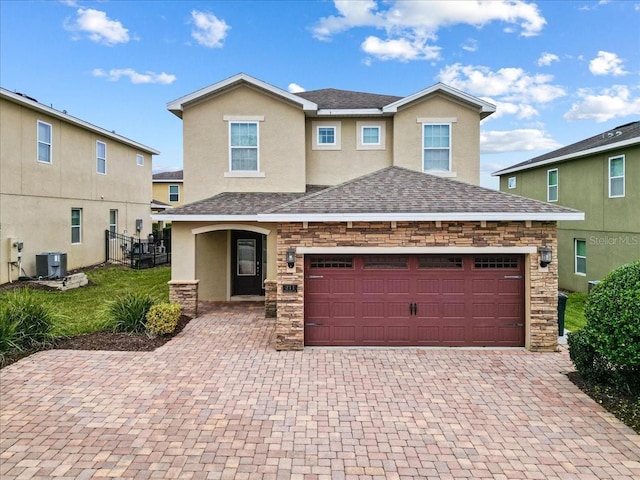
column 128, row 312
column 25, row 321
column 607, row 350
column 162, row 319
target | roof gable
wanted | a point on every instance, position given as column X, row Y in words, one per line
column 624, row 135
column 177, row 106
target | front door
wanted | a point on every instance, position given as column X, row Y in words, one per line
column 246, row 263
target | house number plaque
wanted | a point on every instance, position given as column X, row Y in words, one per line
column 287, row 288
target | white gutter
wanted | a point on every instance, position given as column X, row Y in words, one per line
column 376, row 217
column 336, row 112
column 569, row 156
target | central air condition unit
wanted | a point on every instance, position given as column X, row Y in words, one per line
column 51, row 265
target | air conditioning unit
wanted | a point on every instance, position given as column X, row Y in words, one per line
column 51, row 265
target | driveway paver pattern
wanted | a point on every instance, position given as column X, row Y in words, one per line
column 218, row 402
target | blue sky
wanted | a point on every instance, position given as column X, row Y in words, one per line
column 558, row 71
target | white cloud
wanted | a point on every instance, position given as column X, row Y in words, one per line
column 547, row 59
column 401, row 49
column 209, row 30
column 506, row 85
column 607, row 63
column 295, row 88
column 410, row 25
column 526, row 139
column 613, row 102
column 99, row 27
column 471, row 45
column 115, row 74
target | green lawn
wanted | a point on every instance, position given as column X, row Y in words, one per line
column 574, row 314
column 80, row 310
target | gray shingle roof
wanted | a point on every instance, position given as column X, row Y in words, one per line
column 331, row 98
column 399, row 190
column 611, row 137
column 389, row 191
column 177, row 175
column 240, row 203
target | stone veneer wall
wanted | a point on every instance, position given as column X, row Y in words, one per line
column 542, row 329
column 270, row 298
column 186, row 294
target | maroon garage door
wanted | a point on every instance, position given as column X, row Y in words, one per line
column 401, row 300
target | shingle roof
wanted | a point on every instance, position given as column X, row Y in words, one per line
column 331, row 98
column 176, row 175
column 385, row 193
column 623, row 133
column 399, row 190
column 240, row 203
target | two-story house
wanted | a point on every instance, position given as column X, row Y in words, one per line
column 359, row 218
column 599, row 175
column 63, row 183
column 168, row 189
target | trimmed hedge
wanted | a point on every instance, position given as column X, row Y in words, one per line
column 607, row 350
column 162, row 319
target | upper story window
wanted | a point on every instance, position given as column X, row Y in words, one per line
column 101, row 157
column 616, row 177
column 552, row 185
column 243, row 146
column 76, row 225
column 370, row 136
column 44, row 142
column 436, row 145
column 511, row 183
column 139, row 160
column 326, row 135
column 174, row 193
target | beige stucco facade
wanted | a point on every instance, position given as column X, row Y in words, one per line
column 160, row 191
column 36, row 198
column 206, row 144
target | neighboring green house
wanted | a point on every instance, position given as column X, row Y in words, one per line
column 600, row 176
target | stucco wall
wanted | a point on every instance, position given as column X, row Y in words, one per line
column 611, row 227
column 331, row 167
column 36, row 198
column 206, row 144
column 465, row 135
column 541, row 284
column 161, row 192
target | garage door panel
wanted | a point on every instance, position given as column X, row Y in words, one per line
column 453, row 301
column 341, row 310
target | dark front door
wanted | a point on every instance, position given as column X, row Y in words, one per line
column 246, row 263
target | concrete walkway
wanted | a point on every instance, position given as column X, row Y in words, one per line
column 219, row 402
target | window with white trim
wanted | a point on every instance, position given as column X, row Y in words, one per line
column 101, row 157
column 44, row 142
column 326, row 136
column 76, row 225
column 113, row 221
column 511, row 182
column 243, row 147
column 436, row 147
column 370, row 135
column 552, row 185
column 174, row 193
column 616, row 177
column 580, row 251
column 139, row 160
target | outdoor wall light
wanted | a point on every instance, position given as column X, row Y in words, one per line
column 291, row 257
column 545, row 255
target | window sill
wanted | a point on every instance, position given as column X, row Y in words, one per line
column 441, row 173
column 244, row 174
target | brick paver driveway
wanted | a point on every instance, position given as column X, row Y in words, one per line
column 219, row 402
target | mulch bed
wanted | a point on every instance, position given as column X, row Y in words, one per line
column 113, row 341
column 624, row 407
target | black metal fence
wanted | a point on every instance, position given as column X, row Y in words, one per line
column 138, row 252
